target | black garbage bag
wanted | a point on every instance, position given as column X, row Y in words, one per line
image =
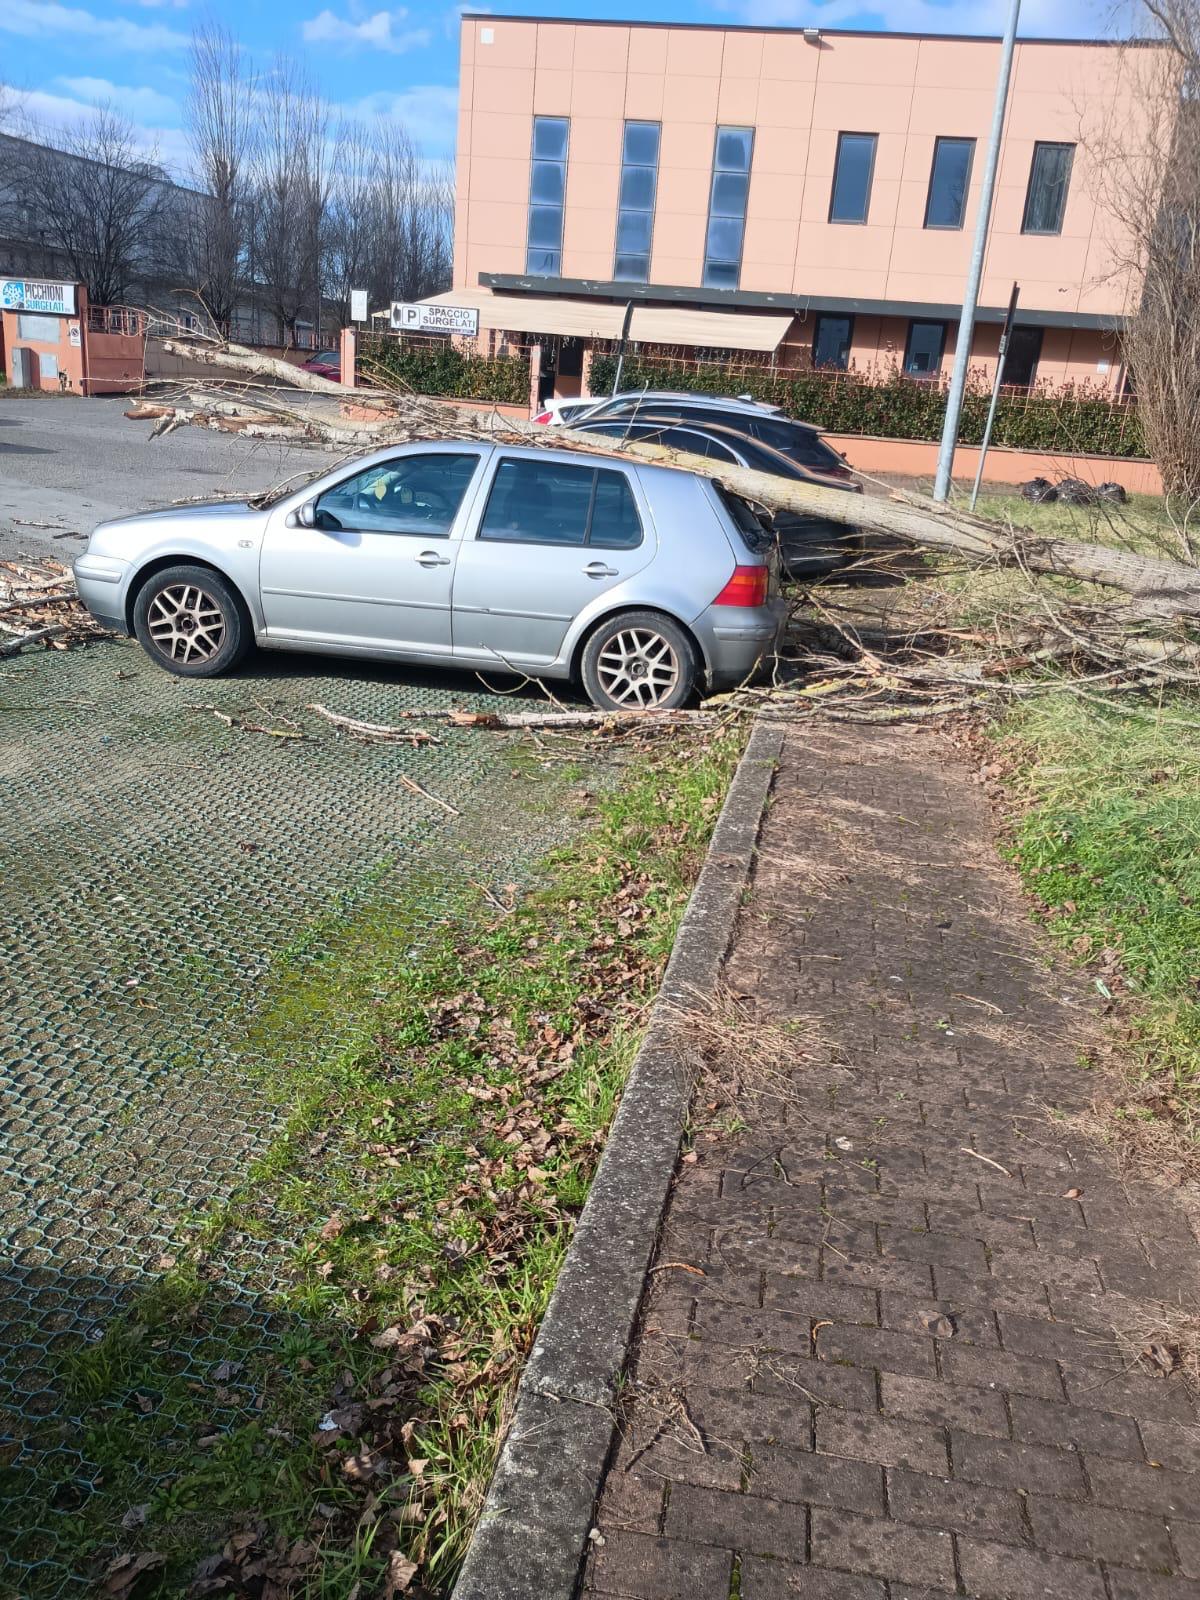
column 1112, row 494
column 1038, row 491
column 1074, row 492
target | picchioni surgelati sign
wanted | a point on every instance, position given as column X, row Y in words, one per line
column 37, row 294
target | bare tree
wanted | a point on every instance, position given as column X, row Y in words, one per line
column 390, row 218
column 290, row 194
column 217, row 116
column 100, row 201
column 1146, row 166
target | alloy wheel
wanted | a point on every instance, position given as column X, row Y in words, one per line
column 185, row 623
column 638, row 668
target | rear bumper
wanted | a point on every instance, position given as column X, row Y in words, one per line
column 736, row 639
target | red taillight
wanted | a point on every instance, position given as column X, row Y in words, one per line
column 544, row 416
column 747, row 587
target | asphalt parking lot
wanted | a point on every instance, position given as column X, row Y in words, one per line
column 67, row 464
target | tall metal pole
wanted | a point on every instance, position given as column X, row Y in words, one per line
column 966, row 327
column 1001, row 359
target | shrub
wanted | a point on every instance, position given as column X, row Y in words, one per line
column 443, row 370
column 1071, row 420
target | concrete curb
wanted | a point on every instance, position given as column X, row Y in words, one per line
column 532, row 1533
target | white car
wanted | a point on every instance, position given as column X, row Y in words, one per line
column 561, row 413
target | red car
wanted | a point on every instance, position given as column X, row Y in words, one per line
column 326, row 364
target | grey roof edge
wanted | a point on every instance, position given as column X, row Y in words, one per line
column 797, row 305
column 826, row 33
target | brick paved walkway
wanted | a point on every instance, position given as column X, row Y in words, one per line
column 894, row 1373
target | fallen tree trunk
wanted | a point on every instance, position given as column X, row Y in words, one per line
column 1160, row 590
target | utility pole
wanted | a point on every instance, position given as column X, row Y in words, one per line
column 966, row 327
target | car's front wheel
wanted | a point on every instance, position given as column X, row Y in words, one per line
column 639, row 661
column 192, row 622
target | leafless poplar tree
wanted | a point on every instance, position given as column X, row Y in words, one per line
column 390, row 218
column 1147, row 168
column 218, row 115
column 101, row 202
column 290, row 180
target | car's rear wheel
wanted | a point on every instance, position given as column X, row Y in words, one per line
column 639, row 661
column 190, row 621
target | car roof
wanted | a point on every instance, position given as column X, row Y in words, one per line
column 691, row 397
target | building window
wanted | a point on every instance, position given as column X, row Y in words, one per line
column 949, row 180
column 547, row 193
column 852, row 173
column 727, row 207
column 923, row 352
column 635, row 214
column 1049, row 179
column 831, row 341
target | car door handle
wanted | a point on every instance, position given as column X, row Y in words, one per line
column 599, row 569
column 430, row 558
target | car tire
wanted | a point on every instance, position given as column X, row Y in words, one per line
column 191, row 621
column 639, row 661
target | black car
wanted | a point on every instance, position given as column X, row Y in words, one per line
column 801, row 442
column 809, row 546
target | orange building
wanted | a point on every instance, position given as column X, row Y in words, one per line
column 809, row 195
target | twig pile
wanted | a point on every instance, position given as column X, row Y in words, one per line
column 39, row 605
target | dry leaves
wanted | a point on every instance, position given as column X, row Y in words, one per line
column 124, row 1572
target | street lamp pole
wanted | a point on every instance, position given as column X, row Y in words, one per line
column 966, row 327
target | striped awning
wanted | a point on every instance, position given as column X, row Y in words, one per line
column 592, row 319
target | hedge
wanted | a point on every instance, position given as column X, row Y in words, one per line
column 1072, row 420
column 443, row 370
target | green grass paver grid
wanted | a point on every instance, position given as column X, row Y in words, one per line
column 155, row 863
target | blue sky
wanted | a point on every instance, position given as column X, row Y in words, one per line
column 60, row 56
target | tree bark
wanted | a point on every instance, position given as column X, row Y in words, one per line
column 1159, row 590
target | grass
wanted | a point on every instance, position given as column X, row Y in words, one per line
column 1107, row 840
column 385, row 1264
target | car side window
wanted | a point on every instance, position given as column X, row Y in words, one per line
column 550, row 502
column 409, row 494
column 698, row 444
column 615, row 521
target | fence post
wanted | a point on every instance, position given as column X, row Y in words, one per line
column 535, row 379
column 348, row 346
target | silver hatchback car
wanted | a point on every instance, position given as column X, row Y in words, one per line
column 643, row 581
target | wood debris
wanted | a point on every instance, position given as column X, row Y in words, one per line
column 39, row 605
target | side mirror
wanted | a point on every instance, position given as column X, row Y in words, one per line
column 306, row 516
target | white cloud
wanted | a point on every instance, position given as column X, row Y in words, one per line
column 429, row 111
column 53, row 25
column 43, row 115
column 382, row 30
column 141, row 104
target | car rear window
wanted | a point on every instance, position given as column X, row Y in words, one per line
column 756, row 534
column 802, row 444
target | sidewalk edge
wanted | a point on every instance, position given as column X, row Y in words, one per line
column 532, row 1533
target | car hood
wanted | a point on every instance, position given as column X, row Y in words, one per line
column 210, row 508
